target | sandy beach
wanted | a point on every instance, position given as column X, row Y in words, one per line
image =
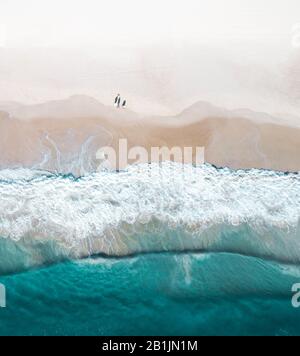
column 57, row 136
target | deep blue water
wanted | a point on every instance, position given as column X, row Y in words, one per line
column 153, row 294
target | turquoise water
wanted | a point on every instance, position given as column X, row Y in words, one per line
column 153, row 294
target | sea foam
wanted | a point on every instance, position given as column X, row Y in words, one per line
column 149, row 208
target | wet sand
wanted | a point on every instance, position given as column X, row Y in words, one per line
column 68, row 144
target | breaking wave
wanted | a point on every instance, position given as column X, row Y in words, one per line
column 147, row 208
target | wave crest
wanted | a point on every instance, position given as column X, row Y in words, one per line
column 166, row 207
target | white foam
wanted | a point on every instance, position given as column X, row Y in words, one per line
column 152, row 207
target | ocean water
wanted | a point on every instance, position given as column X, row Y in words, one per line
column 157, row 294
column 154, row 250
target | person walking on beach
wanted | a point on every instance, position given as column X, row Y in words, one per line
column 118, row 100
column 124, row 103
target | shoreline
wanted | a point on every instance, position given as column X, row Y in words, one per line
column 64, row 144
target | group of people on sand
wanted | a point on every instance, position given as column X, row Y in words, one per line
column 118, row 102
